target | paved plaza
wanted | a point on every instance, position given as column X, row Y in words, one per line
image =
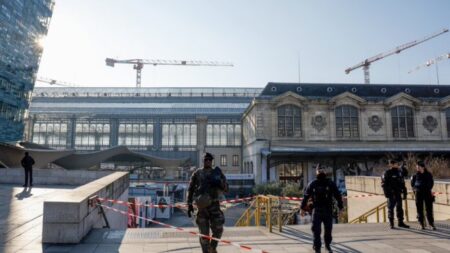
column 21, row 216
column 21, row 227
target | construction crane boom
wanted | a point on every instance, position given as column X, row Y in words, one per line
column 366, row 63
column 430, row 62
column 55, row 82
column 138, row 64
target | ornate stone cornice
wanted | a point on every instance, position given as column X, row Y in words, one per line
column 289, row 98
column 347, row 98
column 402, row 99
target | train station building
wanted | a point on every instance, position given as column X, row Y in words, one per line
column 278, row 133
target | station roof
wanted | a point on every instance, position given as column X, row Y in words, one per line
column 142, row 101
column 367, row 91
column 145, row 92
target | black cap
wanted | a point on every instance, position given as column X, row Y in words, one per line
column 421, row 164
column 208, row 156
column 395, row 160
column 319, row 167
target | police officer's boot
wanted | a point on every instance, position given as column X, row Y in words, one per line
column 422, row 225
column 328, row 247
column 433, row 226
column 391, row 224
column 401, row 224
column 316, row 250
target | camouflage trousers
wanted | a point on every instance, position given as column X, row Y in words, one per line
column 210, row 218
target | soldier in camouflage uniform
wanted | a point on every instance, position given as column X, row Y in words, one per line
column 211, row 183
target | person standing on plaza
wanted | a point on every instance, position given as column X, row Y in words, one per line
column 322, row 191
column 422, row 184
column 205, row 189
column 27, row 163
column 393, row 184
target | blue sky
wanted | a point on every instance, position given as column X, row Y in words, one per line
column 264, row 39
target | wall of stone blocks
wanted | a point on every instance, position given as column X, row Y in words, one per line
column 68, row 217
column 357, row 185
column 52, row 176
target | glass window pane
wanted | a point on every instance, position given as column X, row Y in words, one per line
column 237, row 135
column 193, row 135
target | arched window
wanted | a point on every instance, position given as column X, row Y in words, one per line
column 289, row 121
column 251, row 168
column 402, row 122
column 347, row 125
column 447, row 114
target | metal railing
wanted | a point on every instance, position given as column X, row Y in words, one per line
column 268, row 211
column 379, row 211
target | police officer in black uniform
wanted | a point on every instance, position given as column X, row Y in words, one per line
column 322, row 191
column 422, row 184
column 393, row 184
column 205, row 189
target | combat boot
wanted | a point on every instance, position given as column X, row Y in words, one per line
column 391, row 224
column 401, row 224
column 328, row 247
column 212, row 250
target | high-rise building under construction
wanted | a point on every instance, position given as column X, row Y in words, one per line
column 23, row 25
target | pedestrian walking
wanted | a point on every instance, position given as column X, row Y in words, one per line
column 393, row 184
column 322, row 191
column 27, row 163
column 422, row 184
column 205, row 190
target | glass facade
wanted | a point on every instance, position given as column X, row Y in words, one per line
column 179, row 135
column 51, row 133
column 402, row 122
column 92, row 135
column 136, row 135
column 223, row 135
column 23, row 24
column 347, row 126
column 289, row 121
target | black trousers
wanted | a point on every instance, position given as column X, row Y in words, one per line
column 320, row 216
column 427, row 198
column 395, row 201
column 28, row 176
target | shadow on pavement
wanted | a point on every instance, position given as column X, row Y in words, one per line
column 308, row 239
column 26, row 193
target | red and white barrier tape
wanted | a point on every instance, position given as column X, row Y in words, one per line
column 181, row 229
column 120, row 202
column 228, row 201
column 354, row 196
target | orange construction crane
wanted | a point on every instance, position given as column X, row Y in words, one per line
column 138, row 64
column 366, row 63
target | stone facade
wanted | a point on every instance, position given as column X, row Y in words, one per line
column 373, row 131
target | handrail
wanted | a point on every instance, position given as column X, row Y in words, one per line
column 376, row 210
column 364, row 216
column 267, row 211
